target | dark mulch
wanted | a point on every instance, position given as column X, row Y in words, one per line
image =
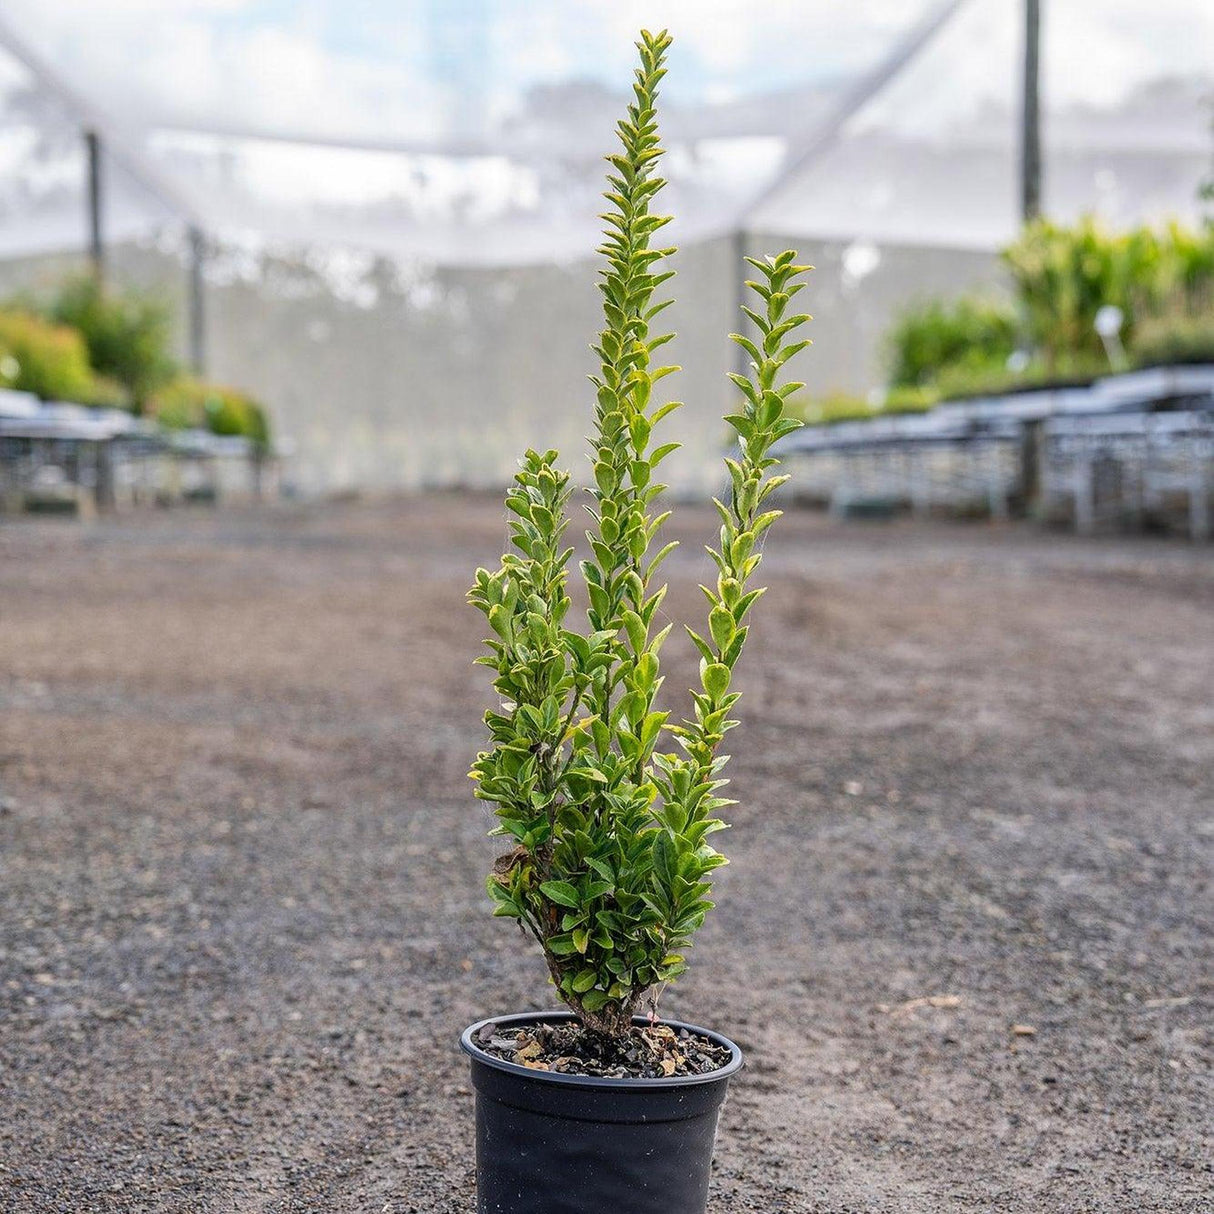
column 647, row 1052
column 242, row 910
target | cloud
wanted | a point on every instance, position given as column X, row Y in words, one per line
column 372, row 66
column 1098, row 53
column 394, row 67
column 228, row 62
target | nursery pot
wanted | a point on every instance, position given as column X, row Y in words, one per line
column 549, row 1143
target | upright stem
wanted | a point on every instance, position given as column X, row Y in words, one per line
column 197, row 296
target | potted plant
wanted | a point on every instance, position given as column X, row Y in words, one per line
column 607, row 803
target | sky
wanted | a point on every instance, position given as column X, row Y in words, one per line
column 378, row 68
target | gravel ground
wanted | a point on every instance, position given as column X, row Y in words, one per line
column 965, row 940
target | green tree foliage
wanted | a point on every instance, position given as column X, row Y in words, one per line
column 1064, row 275
column 1175, row 340
column 91, row 347
column 1162, row 280
column 966, row 331
column 128, row 335
column 610, row 860
column 187, row 402
column 47, row 359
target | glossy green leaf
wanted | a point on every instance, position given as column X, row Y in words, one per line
column 561, row 892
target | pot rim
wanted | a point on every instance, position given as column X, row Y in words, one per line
column 474, row 1051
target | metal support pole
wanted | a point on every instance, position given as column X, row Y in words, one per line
column 197, row 302
column 1085, row 495
column 1199, row 495
column 996, row 487
column 103, row 474
column 92, row 143
column 1031, row 488
column 920, row 484
column 1030, row 136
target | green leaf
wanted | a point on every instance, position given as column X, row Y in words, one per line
column 721, row 625
column 700, row 644
column 584, row 981
column 499, row 621
column 665, row 862
column 562, row 893
column 716, row 680
column 637, row 633
column 602, row 867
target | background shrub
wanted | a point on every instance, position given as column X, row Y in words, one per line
column 1064, row 275
column 829, row 409
column 1161, row 279
column 1186, row 273
column 1068, row 370
column 44, row 358
column 128, row 335
column 95, row 347
column 910, row 400
column 105, row 393
column 1172, row 340
column 187, row 403
column 843, row 407
column 973, row 331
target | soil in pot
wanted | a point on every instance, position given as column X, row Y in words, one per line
column 651, row 1051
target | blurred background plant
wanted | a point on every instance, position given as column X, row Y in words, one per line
column 189, row 403
column 967, row 332
column 1155, row 284
column 836, row 407
column 1063, row 276
column 1175, row 340
column 1160, row 281
column 92, row 345
column 47, row 359
column 128, row 333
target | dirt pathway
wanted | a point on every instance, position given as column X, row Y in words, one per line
column 241, row 910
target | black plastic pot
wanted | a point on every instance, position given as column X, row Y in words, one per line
column 548, row 1143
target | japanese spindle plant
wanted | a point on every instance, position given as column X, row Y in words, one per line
column 609, row 803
